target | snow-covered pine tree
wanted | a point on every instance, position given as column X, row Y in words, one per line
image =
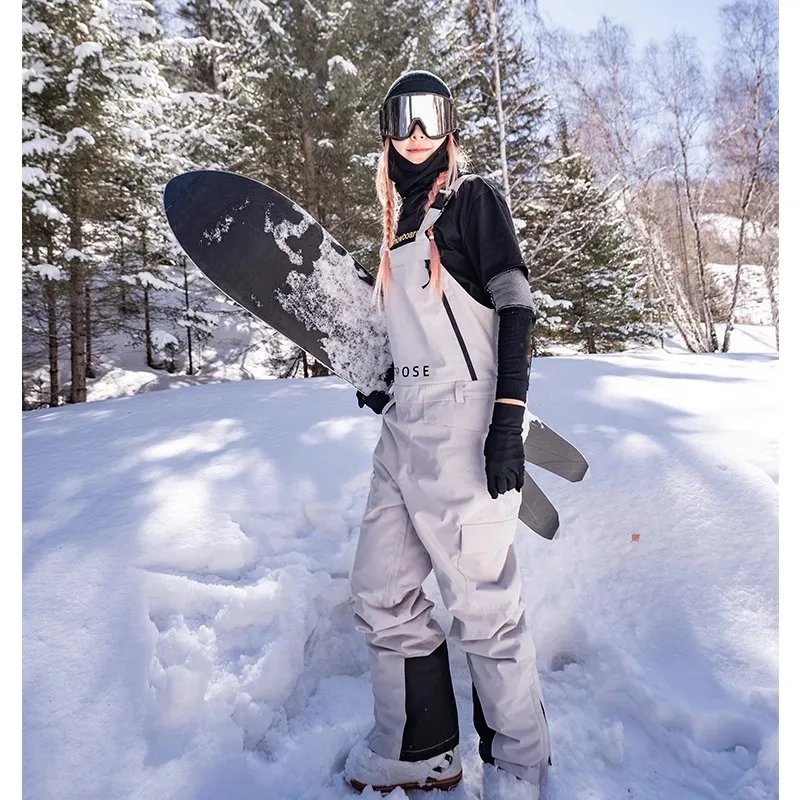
column 193, row 317
column 587, row 259
column 86, row 90
column 305, row 91
column 311, row 87
column 480, row 59
column 502, row 112
column 217, row 54
column 140, row 235
column 203, row 56
column 150, row 335
column 44, row 224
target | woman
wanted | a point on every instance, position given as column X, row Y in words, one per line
column 448, row 468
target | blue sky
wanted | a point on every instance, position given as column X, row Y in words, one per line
column 647, row 19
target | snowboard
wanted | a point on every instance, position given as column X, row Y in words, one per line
column 276, row 261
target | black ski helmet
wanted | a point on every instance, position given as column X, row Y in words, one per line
column 418, row 80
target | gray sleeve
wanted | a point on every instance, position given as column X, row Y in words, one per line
column 510, row 289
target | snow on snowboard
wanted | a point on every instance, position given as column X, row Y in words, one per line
column 276, row 261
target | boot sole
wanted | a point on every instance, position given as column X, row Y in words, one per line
column 445, row 783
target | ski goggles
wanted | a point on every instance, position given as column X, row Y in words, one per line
column 433, row 112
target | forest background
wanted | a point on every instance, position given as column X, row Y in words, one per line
column 642, row 177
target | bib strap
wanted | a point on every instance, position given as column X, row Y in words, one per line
column 434, row 213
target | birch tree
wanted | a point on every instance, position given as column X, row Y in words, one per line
column 610, row 113
column 746, row 129
column 675, row 77
column 500, row 104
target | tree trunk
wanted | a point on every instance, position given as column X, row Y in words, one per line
column 498, row 90
column 186, row 306
column 705, row 306
column 769, row 274
column 726, row 339
column 215, row 37
column 314, row 205
column 771, row 278
column 52, row 333
column 90, row 373
column 744, row 211
column 681, row 227
column 310, row 172
column 297, row 359
column 319, row 370
column 148, row 343
column 586, row 334
column 77, row 306
column 52, row 343
column 308, row 110
column 123, row 286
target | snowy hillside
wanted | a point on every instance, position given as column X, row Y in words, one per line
column 752, row 304
column 187, row 633
column 722, row 230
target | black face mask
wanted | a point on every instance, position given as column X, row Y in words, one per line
column 415, row 180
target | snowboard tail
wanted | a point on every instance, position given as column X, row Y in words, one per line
column 546, row 449
column 536, row 511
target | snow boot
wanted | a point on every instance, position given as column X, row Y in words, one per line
column 499, row 784
column 365, row 768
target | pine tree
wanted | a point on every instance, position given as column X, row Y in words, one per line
column 589, row 267
column 500, row 106
column 310, row 88
column 44, row 224
column 197, row 323
column 502, row 112
column 87, row 92
column 302, row 84
column 203, row 57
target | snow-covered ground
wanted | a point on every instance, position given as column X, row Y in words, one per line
column 187, row 633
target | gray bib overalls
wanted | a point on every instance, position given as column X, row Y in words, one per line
column 429, row 509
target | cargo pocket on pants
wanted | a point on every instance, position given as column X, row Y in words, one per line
column 484, row 549
column 473, row 414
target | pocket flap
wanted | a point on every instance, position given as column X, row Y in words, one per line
column 473, row 414
column 487, row 537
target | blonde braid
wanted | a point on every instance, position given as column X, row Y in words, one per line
column 387, row 197
column 436, row 259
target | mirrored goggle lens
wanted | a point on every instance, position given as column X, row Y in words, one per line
column 432, row 111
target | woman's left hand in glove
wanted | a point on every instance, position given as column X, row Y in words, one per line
column 504, row 450
column 375, row 400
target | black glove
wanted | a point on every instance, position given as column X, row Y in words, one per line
column 503, row 449
column 375, row 400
